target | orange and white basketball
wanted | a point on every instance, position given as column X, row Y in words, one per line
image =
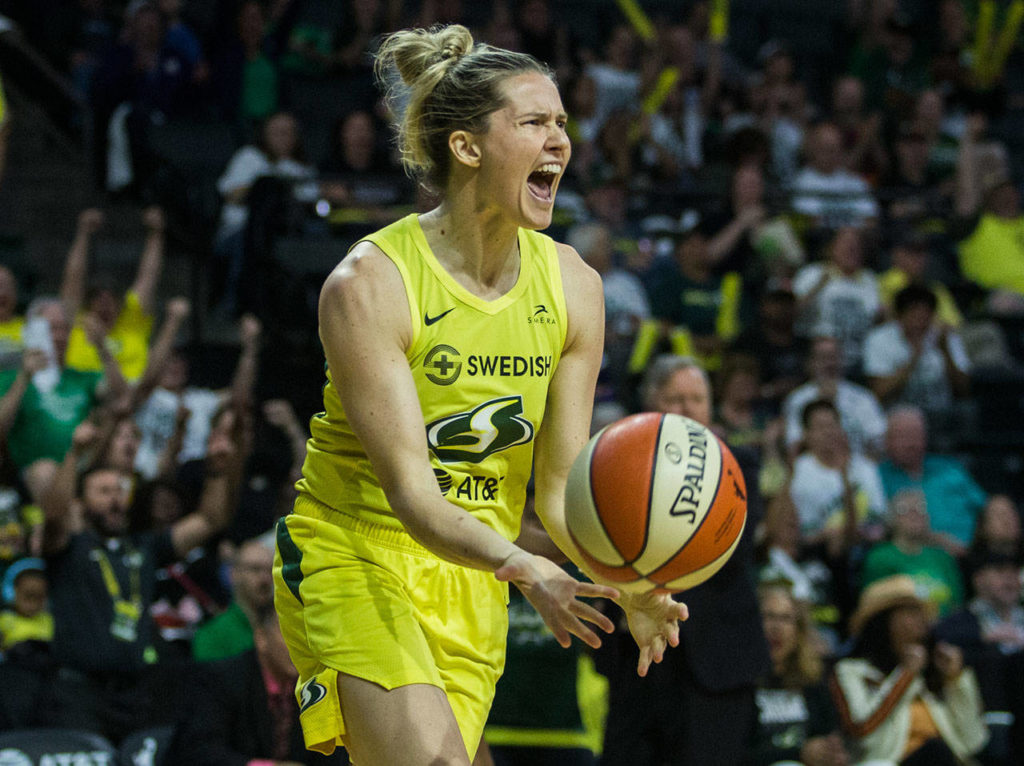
column 655, row 501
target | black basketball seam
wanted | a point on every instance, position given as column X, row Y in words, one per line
column 718, row 486
column 650, row 496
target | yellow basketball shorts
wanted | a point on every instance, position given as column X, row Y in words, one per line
column 367, row 600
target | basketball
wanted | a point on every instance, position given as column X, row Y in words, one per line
column 655, row 502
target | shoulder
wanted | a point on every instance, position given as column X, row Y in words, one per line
column 574, row 270
column 366, row 292
column 365, row 268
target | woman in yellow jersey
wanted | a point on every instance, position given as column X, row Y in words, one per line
column 463, row 349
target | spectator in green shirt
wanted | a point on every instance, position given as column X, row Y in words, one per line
column 907, row 553
column 43, row 401
column 230, row 633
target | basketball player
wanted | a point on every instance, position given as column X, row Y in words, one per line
column 462, row 348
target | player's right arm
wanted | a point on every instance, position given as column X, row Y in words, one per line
column 365, row 328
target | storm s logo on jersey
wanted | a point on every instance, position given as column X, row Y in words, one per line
column 472, row 437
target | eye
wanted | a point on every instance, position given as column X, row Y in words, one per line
column 561, row 124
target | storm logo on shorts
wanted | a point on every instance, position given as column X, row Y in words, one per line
column 311, row 693
column 471, row 437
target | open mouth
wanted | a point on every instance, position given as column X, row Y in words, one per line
column 541, row 182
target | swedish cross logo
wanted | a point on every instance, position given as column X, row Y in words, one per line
column 442, row 365
column 473, row 436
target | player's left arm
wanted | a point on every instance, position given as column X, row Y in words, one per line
column 566, row 425
column 653, row 618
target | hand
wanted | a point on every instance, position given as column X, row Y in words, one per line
column 914, row 658
column 154, row 220
column 95, row 330
column 824, row 751
column 84, row 436
column 1004, row 633
column 178, row 309
column 279, row 413
column 33, row 360
column 555, row 596
column 949, row 660
column 249, row 329
column 653, row 620
column 90, row 220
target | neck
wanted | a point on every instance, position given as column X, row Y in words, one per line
column 479, row 248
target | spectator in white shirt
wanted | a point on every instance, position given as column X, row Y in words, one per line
column 838, row 493
column 916, row 360
column 839, row 297
column 859, row 411
column 825, row 190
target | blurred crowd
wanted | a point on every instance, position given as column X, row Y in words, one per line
column 837, row 241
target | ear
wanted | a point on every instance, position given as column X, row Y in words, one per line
column 465, row 148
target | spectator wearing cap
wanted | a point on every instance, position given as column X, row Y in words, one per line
column 698, row 310
column 910, row 266
column 25, row 592
column 954, row 500
column 909, row 552
column 824, row 190
column 898, row 701
column 859, row 411
column 839, row 296
column 914, row 359
column 26, row 629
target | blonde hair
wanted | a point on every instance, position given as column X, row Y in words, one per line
column 804, row 666
column 446, row 83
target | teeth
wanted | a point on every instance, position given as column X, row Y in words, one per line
column 552, row 167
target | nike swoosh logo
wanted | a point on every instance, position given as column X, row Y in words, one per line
column 429, row 320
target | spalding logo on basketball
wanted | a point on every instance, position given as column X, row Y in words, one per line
column 655, row 501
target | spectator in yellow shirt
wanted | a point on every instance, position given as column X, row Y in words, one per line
column 127, row 321
column 25, row 591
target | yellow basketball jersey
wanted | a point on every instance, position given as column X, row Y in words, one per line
column 481, row 369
